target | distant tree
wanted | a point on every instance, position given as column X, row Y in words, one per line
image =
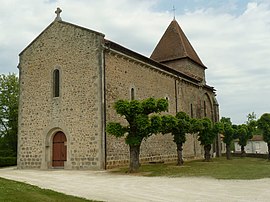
column 264, row 124
column 140, row 125
column 228, row 133
column 243, row 134
column 208, row 131
column 9, row 98
column 251, row 117
column 178, row 126
column 251, row 124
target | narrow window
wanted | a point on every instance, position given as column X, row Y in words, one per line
column 56, row 83
column 132, row 94
column 191, row 111
column 168, row 103
column 204, row 107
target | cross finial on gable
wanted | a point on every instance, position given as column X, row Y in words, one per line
column 58, row 11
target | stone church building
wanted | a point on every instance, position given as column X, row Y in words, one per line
column 70, row 78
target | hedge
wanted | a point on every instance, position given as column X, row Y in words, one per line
column 7, row 153
column 8, row 161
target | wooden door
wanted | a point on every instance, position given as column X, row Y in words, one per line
column 59, row 150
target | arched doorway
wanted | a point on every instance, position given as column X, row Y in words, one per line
column 59, row 150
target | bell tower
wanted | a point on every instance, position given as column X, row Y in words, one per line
column 174, row 50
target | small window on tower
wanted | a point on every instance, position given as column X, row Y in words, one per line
column 56, row 83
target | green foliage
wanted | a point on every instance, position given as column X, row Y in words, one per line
column 116, row 129
column 227, row 130
column 152, row 105
column 9, row 98
column 140, row 124
column 155, row 123
column 225, row 120
column 179, row 126
column 252, row 124
column 195, row 125
column 168, row 122
column 7, row 152
column 235, row 128
column 242, row 134
column 8, row 161
column 264, row 124
column 207, row 131
column 251, row 117
column 11, row 191
column 220, row 168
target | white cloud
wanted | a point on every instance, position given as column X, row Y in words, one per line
column 236, row 49
column 234, row 46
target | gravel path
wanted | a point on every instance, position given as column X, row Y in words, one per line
column 101, row 185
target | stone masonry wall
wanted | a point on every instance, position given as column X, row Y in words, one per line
column 124, row 73
column 76, row 52
column 188, row 67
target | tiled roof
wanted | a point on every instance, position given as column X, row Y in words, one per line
column 174, row 45
column 257, row 138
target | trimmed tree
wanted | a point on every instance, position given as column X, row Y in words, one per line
column 243, row 136
column 228, row 133
column 264, row 124
column 178, row 126
column 207, row 134
column 140, row 125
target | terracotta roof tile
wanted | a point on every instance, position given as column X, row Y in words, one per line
column 174, row 45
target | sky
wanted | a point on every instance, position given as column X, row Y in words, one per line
column 231, row 37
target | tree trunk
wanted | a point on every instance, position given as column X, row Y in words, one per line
column 268, row 151
column 228, row 151
column 243, row 152
column 180, row 160
column 134, row 158
column 207, row 149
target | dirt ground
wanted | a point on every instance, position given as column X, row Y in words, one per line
column 101, row 185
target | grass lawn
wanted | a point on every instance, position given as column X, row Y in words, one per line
column 11, row 191
column 219, row 168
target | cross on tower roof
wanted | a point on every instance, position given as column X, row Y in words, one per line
column 173, row 9
column 58, row 11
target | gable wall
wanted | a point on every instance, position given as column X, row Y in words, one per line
column 77, row 112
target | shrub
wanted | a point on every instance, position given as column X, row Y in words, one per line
column 7, row 153
column 8, row 161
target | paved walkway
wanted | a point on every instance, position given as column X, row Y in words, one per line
column 101, row 185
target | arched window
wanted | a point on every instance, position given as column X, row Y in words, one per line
column 56, row 83
column 132, row 94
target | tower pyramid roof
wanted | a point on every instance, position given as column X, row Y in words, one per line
column 174, row 45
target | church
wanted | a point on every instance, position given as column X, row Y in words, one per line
column 70, row 78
